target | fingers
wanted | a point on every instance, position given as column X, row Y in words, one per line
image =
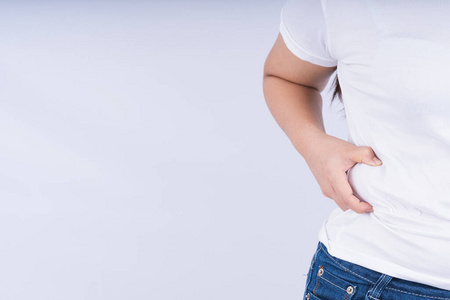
column 338, row 201
column 345, row 195
column 365, row 154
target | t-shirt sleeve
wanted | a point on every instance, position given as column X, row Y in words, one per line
column 304, row 30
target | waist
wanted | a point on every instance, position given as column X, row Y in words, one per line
column 406, row 248
column 412, row 192
column 372, row 276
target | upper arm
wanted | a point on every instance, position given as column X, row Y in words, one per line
column 301, row 53
column 281, row 62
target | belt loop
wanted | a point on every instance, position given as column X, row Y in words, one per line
column 379, row 286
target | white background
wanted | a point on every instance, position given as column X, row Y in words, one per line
column 139, row 159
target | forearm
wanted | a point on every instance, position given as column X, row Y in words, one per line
column 297, row 109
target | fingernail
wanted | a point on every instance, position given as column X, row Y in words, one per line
column 369, row 210
column 376, row 160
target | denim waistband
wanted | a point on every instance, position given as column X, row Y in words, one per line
column 401, row 285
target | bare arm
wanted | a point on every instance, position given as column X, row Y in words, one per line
column 292, row 91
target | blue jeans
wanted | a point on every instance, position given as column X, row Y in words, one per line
column 332, row 278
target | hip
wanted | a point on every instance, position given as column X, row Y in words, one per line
column 330, row 278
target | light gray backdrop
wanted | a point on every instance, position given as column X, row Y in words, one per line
column 139, row 159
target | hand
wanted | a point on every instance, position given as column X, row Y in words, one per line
column 329, row 158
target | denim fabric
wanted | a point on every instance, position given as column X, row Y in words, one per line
column 331, row 278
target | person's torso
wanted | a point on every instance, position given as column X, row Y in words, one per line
column 393, row 60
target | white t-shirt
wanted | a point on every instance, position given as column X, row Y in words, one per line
column 393, row 63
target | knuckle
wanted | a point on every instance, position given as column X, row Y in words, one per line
column 367, row 151
column 353, row 206
column 359, row 211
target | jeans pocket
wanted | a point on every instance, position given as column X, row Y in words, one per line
column 328, row 282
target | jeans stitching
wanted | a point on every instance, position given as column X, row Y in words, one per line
column 317, row 285
column 311, row 267
column 332, row 283
column 345, row 267
column 380, row 280
column 422, row 295
column 385, row 283
column 347, row 296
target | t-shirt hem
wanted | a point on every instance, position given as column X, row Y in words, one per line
column 377, row 264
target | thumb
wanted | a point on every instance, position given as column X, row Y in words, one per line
column 365, row 154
